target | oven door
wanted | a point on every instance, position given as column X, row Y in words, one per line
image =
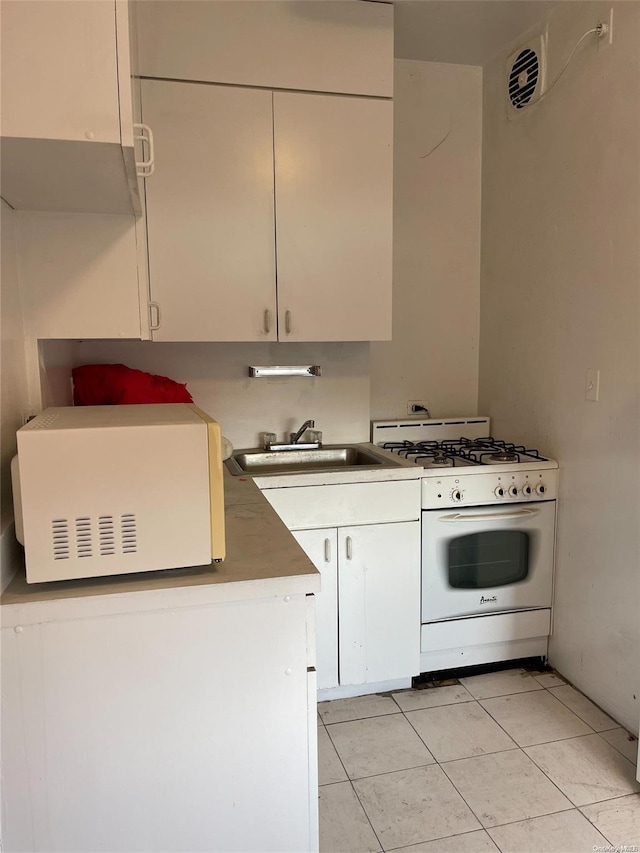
column 479, row 560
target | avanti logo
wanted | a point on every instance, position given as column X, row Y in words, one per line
column 484, row 600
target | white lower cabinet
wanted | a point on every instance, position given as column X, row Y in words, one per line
column 321, row 546
column 176, row 728
column 368, row 612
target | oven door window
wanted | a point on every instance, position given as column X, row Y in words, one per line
column 488, row 559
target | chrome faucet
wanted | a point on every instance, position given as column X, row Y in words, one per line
column 294, row 443
column 295, row 436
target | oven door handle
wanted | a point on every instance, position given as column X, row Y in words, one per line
column 490, row 516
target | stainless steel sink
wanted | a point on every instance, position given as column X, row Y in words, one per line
column 330, row 457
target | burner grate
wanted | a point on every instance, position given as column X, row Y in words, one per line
column 474, row 451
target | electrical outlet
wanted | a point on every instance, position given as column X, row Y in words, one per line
column 607, row 36
column 419, row 408
column 592, row 385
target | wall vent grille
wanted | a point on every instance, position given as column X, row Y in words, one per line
column 525, row 73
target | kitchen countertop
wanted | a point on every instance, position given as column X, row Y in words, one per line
column 249, row 571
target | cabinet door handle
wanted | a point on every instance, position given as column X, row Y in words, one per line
column 154, row 306
column 327, row 550
column 287, row 322
column 144, row 168
column 349, row 548
column 267, row 321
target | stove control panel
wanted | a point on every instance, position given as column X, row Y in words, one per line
column 482, row 488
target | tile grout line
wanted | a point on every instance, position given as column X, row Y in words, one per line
column 442, row 838
column 612, row 843
column 493, row 752
column 366, row 814
column 506, row 750
column 571, row 737
column 573, row 806
column 616, row 726
column 453, row 785
column 350, row 781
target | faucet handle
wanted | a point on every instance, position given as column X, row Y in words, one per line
column 315, row 437
column 268, row 438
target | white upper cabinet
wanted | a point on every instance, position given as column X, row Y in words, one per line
column 67, row 123
column 269, row 214
column 334, row 187
column 215, row 239
column 315, row 45
column 210, row 212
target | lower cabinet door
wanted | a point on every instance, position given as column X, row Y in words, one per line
column 379, row 595
column 321, row 546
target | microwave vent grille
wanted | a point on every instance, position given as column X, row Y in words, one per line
column 44, row 421
column 84, row 539
column 60, row 538
column 85, row 545
column 106, row 535
column 128, row 533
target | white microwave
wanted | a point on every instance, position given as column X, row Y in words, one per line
column 111, row 490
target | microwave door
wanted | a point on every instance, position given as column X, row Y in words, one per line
column 477, row 561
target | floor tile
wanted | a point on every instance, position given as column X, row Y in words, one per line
column 500, row 683
column 586, row 768
column 344, row 827
column 548, row 679
column 470, row 842
column 413, row 806
column 583, row 708
column 625, row 743
column 566, row 832
column 378, row 745
column 341, row 710
column 618, row 820
column 432, row 697
column 330, row 767
column 505, row 787
column 459, row 731
column 532, row 718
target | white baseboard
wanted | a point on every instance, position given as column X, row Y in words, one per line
column 348, row 691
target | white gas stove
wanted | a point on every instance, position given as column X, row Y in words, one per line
column 488, row 531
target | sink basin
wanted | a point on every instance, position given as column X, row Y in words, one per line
column 332, row 457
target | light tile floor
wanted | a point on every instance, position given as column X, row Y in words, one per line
column 512, row 761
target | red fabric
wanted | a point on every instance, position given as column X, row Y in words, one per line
column 117, row 384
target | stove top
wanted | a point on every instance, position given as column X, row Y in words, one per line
column 463, row 465
column 462, row 452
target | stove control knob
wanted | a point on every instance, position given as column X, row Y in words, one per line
column 500, row 492
column 513, row 491
column 456, row 495
column 527, row 489
column 541, row 489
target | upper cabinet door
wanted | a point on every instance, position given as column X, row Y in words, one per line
column 320, row 46
column 59, row 71
column 334, row 171
column 67, row 132
column 210, row 212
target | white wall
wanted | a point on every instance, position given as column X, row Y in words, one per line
column 560, row 294
column 436, row 243
column 15, row 399
column 217, row 377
